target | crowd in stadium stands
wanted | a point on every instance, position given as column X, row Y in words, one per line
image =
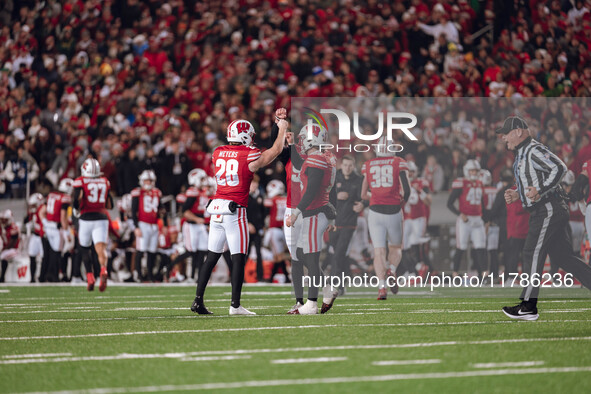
column 153, row 84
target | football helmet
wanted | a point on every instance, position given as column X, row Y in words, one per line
column 35, row 199
column 91, row 168
column 125, row 203
column 318, row 134
column 197, row 177
column 412, row 169
column 66, row 185
column 241, row 131
column 485, row 177
column 147, row 179
column 569, row 178
column 6, row 216
column 275, row 188
column 471, row 165
column 382, row 147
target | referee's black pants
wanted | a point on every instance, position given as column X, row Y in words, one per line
column 548, row 234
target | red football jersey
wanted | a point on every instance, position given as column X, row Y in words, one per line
column 490, row 192
column 575, row 212
column 180, row 200
column 94, row 193
column 37, row 223
column 201, row 197
column 56, row 201
column 232, row 174
column 10, row 231
column 165, row 241
column 276, row 207
column 326, row 162
column 294, row 186
column 149, row 201
column 471, row 197
column 587, row 171
column 517, row 220
column 382, row 174
column 415, row 208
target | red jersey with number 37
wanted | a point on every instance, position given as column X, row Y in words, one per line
column 56, row 201
column 326, row 162
column 232, row 173
column 149, row 201
column 95, row 193
column 382, row 175
column 471, row 197
column 587, row 172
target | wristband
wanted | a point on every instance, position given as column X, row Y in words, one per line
column 296, row 212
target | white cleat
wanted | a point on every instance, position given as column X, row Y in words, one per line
column 240, row 311
column 297, row 306
column 309, row 308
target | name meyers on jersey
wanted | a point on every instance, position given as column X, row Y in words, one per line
column 228, row 154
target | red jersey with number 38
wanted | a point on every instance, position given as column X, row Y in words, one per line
column 471, row 197
column 95, row 193
column 149, row 201
column 382, row 174
column 232, row 173
column 56, row 201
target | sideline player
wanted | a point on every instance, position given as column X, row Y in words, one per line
column 146, row 204
column 317, row 177
column 195, row 217
column 10, row 240
column 37, row 240
column 91, row 197
column 492, row 229
column 469, row 225
column 576, row 219
column 235, row 165
column 57, row 225
column 274, row 239
column 385, row 176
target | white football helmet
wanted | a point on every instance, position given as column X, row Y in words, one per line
column 66, row 185
column 382, row 147
column 412, row 169
column 485, row 177
column 124, row 203
column 275, row 188
column 318, row 134
column 197, row 177
column 91, row 168
column 241, row 131
column 6, row 216
column 470, row 166
column 569, row 178
column 147, row 176
column 35, row 199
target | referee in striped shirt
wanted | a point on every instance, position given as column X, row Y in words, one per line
column 538, row 173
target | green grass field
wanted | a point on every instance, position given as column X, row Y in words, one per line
column 144, row 338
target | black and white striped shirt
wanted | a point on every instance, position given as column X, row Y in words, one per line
column 536, row 166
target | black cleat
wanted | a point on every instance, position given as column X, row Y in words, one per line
column 521, row 312
column 200, row 309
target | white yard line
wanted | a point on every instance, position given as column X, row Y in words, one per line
column 333, row 380
column 308, row 360
column 405, row 362
column 36, row 355
column 124, row 356
column 496, row 311
column 216, row 358
column 509, row 364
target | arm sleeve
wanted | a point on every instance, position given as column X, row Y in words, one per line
column 578, row 190
column 135, row 206
column 550, row 164
column 314, row 178
column 453, row 196
column 76, row 197
column 189, row 202
column 405, row 185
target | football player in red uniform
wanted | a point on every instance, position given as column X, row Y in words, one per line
column 274, row 238
column 386, row 177
column 317, row 178
column 469, row 225
column 37, row 242
column 492, row 229
column 415, row 219
column 90, row 197
column 581, row 190
column 57, row 225
column 577, row 218
column 10, row 240
column 196, row 218
column 146, row 206
column 235, row 165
